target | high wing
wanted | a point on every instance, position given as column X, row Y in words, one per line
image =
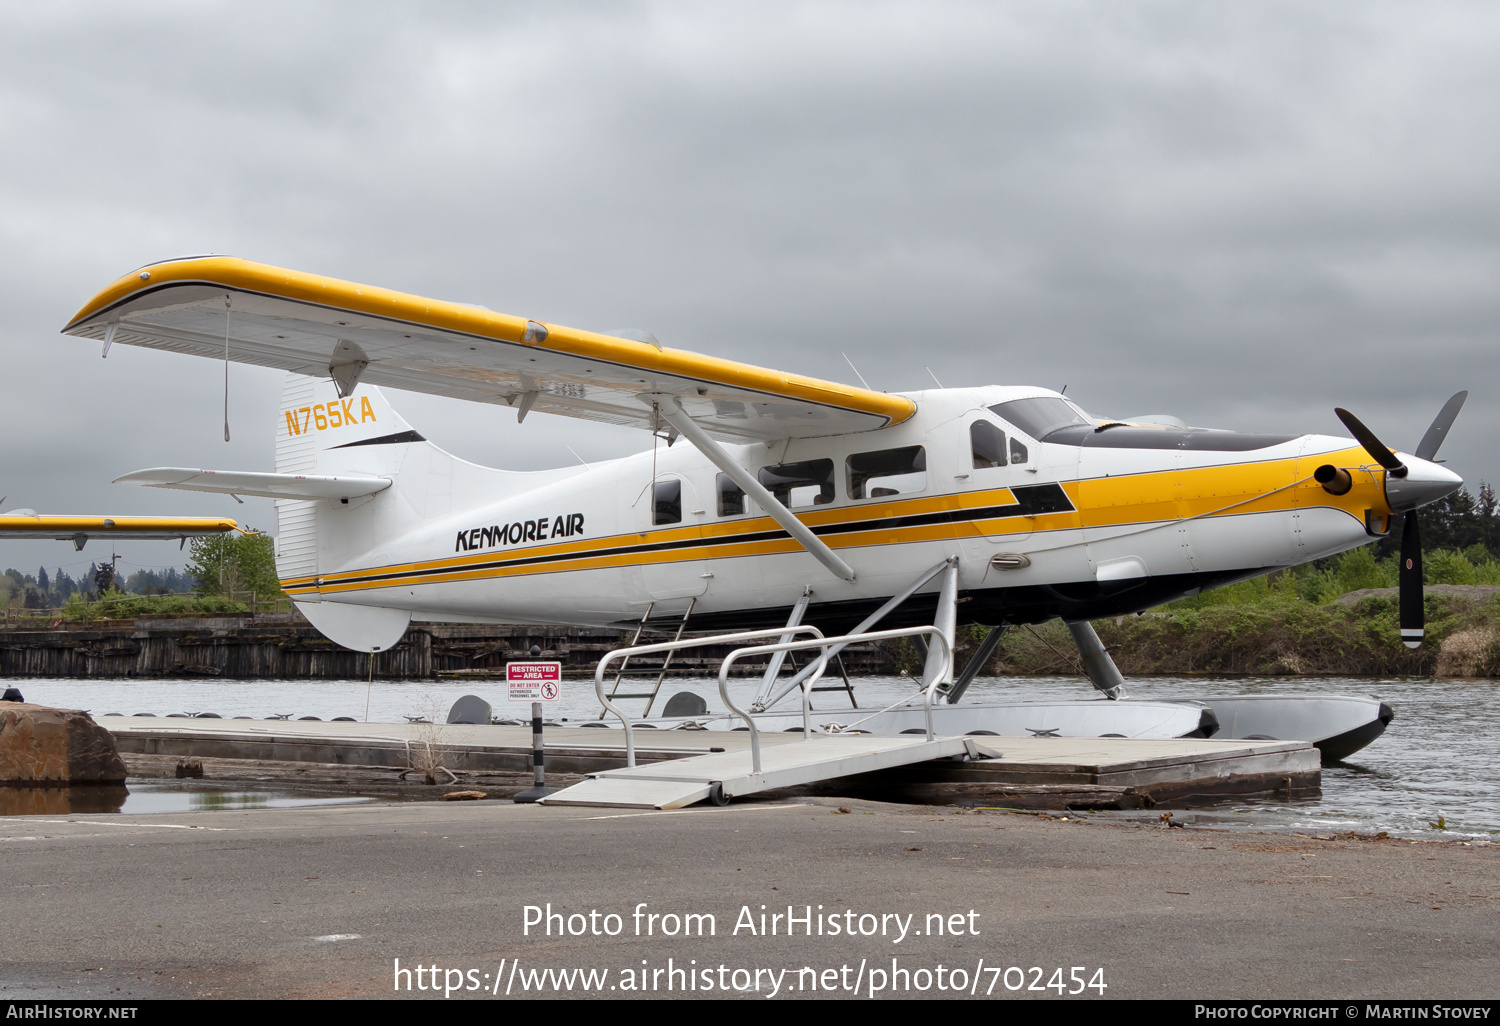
column 271, row 486
column 78, row 530
column 324, row 327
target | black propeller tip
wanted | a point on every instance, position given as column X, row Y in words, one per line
column 1378, row 451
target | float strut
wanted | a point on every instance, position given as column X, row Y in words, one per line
column 1096, row 661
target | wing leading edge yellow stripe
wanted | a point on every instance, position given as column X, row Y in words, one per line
column 264, row 279
column 120, row 525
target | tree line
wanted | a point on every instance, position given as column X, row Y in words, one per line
column 229, row 565
column 1460, row 537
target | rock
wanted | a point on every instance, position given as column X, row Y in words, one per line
column 1475, row 593
column 189, row 768
column 51, row 747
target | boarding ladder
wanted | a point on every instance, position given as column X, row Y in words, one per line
column 636, row 648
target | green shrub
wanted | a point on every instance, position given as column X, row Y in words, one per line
column 116, row 605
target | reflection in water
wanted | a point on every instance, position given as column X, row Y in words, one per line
column 1354, row 768
column 213, row 800
column 60, row 801
column 157, row 797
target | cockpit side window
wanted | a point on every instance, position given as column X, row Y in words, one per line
column 988, row 445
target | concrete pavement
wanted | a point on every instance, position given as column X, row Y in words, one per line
column 321, row 902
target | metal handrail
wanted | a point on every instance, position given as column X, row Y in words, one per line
column 672, row 646
column 826, row 644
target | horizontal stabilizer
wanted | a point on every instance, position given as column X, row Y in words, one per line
column 272, row 486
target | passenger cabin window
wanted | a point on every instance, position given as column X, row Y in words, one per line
column 875, row 475
column 988, row 443
column 666, row 503
column 809, row 483
column 731, row 497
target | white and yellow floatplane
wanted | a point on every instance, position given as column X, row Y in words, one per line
column 795, row 502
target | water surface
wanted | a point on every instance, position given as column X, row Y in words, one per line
column 1435, row 765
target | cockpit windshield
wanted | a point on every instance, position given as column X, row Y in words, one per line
column 1041, row 416
column 1053, row 420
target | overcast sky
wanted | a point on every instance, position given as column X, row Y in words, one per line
column 1241, row 214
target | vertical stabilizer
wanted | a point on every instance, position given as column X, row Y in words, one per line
column 296, row 519
column 360, row 435
column 320, row 432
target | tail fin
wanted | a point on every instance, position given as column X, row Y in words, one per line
column 316, row 425
column 320, row 432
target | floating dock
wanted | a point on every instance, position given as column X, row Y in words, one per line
column 1057, row 772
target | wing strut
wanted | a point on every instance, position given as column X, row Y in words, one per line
column 673, row 413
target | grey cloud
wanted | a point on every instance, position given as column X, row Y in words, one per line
column 1241, row 214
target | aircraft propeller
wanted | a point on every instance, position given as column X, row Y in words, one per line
column 1412, row 614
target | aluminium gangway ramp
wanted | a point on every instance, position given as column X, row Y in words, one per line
column 674, row 783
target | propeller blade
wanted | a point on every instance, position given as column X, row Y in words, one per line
column 1413, row 617
column 1428, row 447
column 1378, row 452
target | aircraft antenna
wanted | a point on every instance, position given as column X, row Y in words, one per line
column 855, row 369
column 932, row 375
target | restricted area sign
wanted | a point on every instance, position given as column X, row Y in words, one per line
column 534, row 682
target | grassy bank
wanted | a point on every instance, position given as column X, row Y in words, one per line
column 119, row 607
column 1337, row 617
column 1292, row 638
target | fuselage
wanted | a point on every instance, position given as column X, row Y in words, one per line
column 1048, row 512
